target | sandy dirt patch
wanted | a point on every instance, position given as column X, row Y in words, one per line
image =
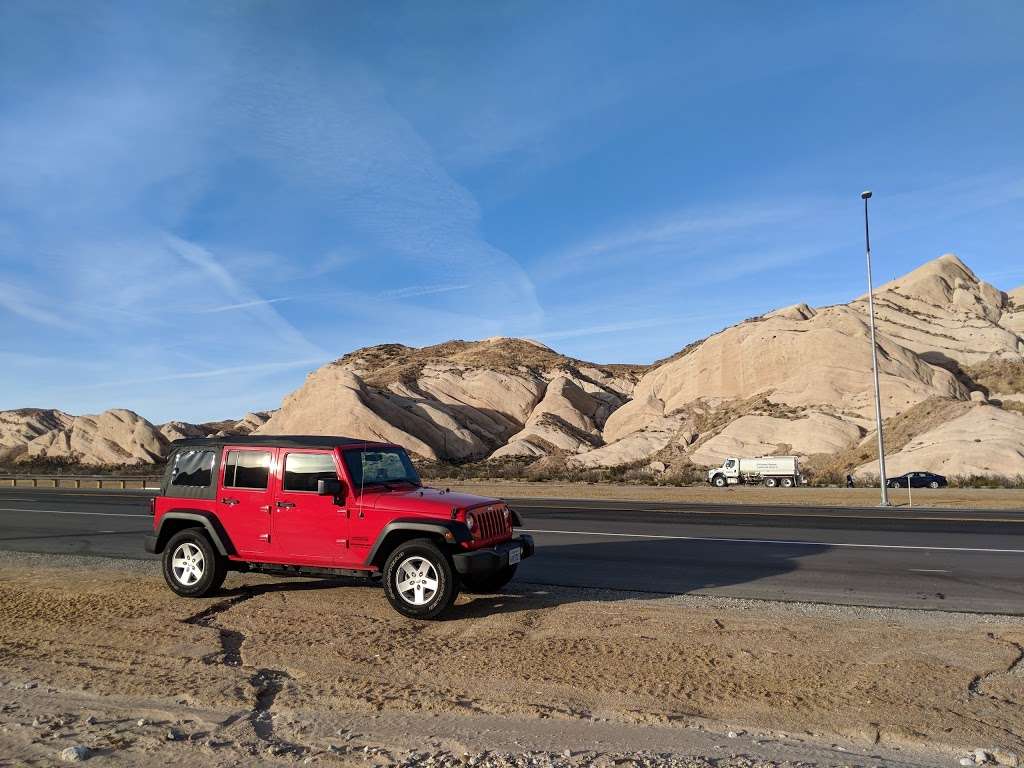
column 279, row 670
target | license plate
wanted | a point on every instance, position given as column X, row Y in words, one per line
column 514, row 555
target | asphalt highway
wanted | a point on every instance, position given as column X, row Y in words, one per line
column 960, row 560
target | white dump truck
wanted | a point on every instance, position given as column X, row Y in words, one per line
column 773, row 471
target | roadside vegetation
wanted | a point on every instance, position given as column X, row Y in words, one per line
column 821, row 471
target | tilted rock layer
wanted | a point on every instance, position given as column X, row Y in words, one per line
column 795, row 380
column 460, row 400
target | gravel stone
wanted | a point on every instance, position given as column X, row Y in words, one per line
column 75, row 754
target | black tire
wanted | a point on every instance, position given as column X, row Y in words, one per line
column 486, row 583
column 787, row 482
column 719, row 481
column 212, row 567
column 409, row 558
column 895, row 484
column 933, row 484
column 770, row 482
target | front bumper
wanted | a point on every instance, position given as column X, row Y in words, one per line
column 491, row 559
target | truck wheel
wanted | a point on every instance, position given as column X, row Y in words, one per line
column 419, row 580
column 192, row 567
column 486, row 583
column 719, row 481
column 787, row 482
column 770, row 482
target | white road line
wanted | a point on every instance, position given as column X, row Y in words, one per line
column 65, row 512
column 927, row 570
column 796, row 512
column 777, row 541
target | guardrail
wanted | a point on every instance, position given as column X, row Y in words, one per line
column 121, row 482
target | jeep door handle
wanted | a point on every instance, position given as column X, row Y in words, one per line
column 229, row 502
column 285, row 505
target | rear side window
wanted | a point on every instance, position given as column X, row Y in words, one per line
column 193, row 469
column 247, row 469
column 302, row 470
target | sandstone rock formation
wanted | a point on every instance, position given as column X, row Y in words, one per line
column 1013, row 317
column 938, row 326
column 766, row 435
column 112, row 437
column 178, row 430
column 983, row 441
column 459, row 400
column 795, row 380
column 943, row 312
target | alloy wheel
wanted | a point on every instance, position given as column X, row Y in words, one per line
column 416, row 580
column 188, row 563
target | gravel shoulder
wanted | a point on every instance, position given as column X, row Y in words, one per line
column 306, row 672
column 942, row 498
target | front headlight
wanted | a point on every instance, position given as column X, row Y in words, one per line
column 470, row 521
column 507, row 513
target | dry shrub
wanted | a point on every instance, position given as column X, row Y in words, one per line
column 998, row 375
column 390, row 363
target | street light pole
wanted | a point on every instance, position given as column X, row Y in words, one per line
column 874, row 358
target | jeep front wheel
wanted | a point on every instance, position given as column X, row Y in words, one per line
column 485, row 583
column 192, row 567
column 419, row 580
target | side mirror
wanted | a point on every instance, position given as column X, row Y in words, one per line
column 330, row 486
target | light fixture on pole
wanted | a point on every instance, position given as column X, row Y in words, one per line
column 874, row 358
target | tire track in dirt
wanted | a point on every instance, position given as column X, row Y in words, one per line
column 266, row 683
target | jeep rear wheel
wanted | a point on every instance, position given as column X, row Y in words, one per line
column 489, row 582
column 192, row 567
column 419, row 580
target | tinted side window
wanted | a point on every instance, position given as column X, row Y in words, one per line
column 247, row 469
column 193, row 468
column 302, row 470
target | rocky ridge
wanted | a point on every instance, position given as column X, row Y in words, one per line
column 117, row 437
column 460, row 400
column 794, row 380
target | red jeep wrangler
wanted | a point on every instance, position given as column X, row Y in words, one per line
column 326, row 506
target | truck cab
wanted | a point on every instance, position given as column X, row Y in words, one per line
column 727, row 474
column 324, row 506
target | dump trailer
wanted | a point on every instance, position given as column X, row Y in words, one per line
column 772, row 471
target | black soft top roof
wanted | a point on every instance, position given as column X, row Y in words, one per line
column 275, row 441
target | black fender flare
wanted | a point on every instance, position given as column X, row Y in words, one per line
column 206, row 520
column 452, row 531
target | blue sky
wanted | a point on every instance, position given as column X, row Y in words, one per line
column 201, row 202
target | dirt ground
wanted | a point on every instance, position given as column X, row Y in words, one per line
column 99, row 653
column 952, row 498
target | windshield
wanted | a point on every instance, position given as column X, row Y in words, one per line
column 380, row 467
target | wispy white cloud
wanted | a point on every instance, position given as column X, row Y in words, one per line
column 26, row 303
column 421, row 290
column 683, row 233
column 216, row 373
column 245, row 305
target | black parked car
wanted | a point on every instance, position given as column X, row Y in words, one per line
column 918, row 480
